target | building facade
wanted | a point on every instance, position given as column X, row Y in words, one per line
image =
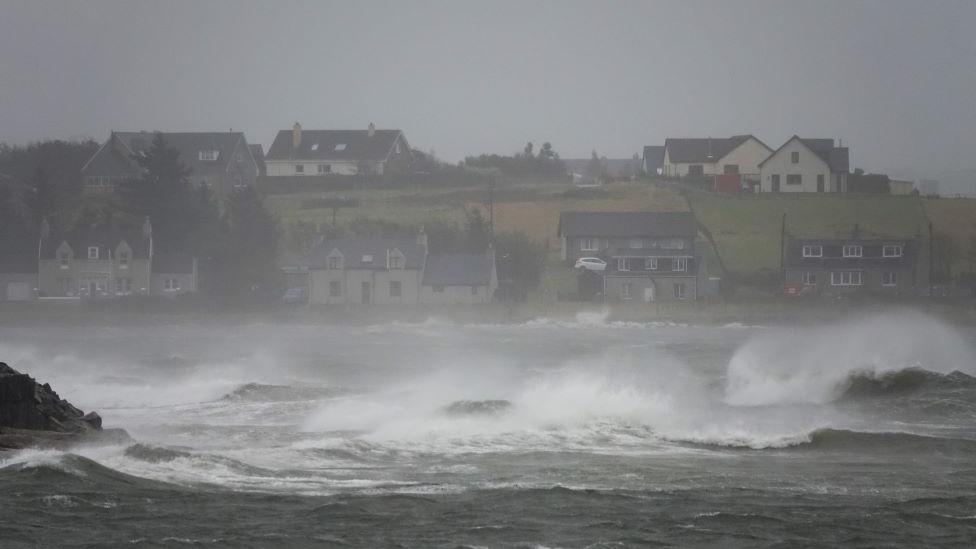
column 651, row 256
column 736, row 155
column 806, row 166
column 301, row 153
column 840, row 266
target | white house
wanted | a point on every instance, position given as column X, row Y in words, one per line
column 806, row 166
column 739, row 154
column 299, row 152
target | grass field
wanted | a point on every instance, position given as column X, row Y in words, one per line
column 955, row 217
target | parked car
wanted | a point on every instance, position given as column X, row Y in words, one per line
column 591, row 264
column 295, row 295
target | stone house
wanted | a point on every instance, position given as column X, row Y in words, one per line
column 299, row 152
column 804, row 165
column 220, row 161
column 651, row 256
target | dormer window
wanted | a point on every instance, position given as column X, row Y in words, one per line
column 64, row 258
column 209, row 155
column 123, row 260
column 893, row 250
column 340, row 147
column 335, row 263
column 396, row 262
column 93, row 252
column 315, row 146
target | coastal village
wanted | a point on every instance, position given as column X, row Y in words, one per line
column 362, row 217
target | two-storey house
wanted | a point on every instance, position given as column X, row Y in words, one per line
column 804, row 165
column 371, row 151
column 841, row 265
column 220, row 161
column 651, row 256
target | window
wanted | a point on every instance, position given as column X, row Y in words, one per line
column 367, row 258
column 889, row 279
column 774, row 182
column 335, row 263
column 64, row 258
column 635, row 243
column 696, row 169
column 588, row 244
column 625, row 290
column 810, row 279
column 820, row 183
column 123, row 260
column 673, row 244
column 650, row 263
column 891, row 251
column 299, row 168
column 438, row 289
column 171, row 284
column 679, row 264
column 795, row 157
column 93, row 252
column 395, row 288
column 335, row 288
column 123, row 286
column 812, row 251
column 209, row 155
column 325, row 168
column 396, row 262
column 679, row 290
column 852, row 250
column 731, row 169
column 845, row 278
column 340, row 147
column 794, row 179
column 622, row 264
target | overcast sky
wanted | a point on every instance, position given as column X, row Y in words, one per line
column 895, row 80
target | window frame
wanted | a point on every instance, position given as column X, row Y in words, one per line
column 900, row 250
column 794, row 179
column 837, row 278
column 679, row 264
column 300, row 168
column 622, row 264
column 889, row 278
column 809, row 278
column 93, row 255
column 696, row 170
column 853, row 248
column 794, row 157
column 626, row 290
column 807, row 250
column 396, row 284
column 650, row 263
column 589, row 244
column 680, row 292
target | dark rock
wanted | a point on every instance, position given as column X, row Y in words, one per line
column 26, row 404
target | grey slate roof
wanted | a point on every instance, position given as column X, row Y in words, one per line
column 116, row 157
column 703, row 149
column 359, row 146
column 354, row 248
column 172, row 263
column 105, row 239
column 18, row 263
column 838, row 158
column 458, row 270
column 628, row 224
column 653, row 158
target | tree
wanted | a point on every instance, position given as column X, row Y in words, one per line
column 519, row 262
column 477, row 231
column 547, row 153
column 527, row 152
column 596, row 168
column 245, row 265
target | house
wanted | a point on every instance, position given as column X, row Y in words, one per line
column 834, row 266
column 901, row 187
column 653, row 161
column 376, row 270
column 301, row 152
column 806, row 165
column 695, row 157
column 459, row 278
column 106, row 262
column 220, row 161
column 173, row 274
column 651, row 256
column 18, row 276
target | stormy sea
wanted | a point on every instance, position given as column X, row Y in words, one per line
column 550, row 433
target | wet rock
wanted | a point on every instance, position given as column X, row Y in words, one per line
column 32, row 414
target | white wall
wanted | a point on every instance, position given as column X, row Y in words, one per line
column 287, row 168
column 747, row 155
column 809, row 167
column 455, row 295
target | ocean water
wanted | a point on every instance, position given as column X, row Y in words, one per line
column 580, row 433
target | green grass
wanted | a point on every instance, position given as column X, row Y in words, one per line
column 747, row 228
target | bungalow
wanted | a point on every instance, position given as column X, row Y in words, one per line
column 806, row 165
column 338, row 152
column 739, row 154
column 833, row 266
column 459, row 278
column 221, row 161
column 651, row 256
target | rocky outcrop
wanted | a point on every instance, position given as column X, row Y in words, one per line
column 33, row 414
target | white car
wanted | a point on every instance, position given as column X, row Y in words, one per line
column 591, row 264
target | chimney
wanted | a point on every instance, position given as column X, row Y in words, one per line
column 296, row 135
column 372, row 129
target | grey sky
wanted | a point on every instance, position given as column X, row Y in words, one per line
column 896, row 80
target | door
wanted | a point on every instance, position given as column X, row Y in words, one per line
column 18, row 291
column 775, row 185
column 649, row 294
column 366, row 292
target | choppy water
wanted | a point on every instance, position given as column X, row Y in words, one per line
column 547, row 434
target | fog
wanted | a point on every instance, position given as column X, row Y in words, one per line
column 893, row 79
